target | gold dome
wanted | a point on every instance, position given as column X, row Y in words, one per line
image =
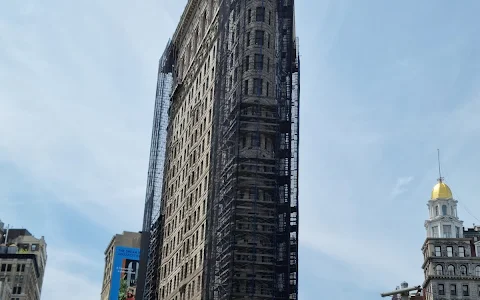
column 442, row 191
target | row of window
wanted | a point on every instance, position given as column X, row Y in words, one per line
column 255, row 87
column 453, row 290
column 447, row 232
column 17, row 290
column 451, row 270
column 453, row 211
column 189, row 291
column 8, row 268
column 450, row 253
column 259, row 15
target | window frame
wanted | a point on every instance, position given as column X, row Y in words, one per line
column 465, row 290
column 461, row 251
column 258, row 86
column 438, row 270
column 258, row 59
column 260, row 14
column 259, row 38
column 441, row 289
column 449, row 251
column 453, row 289
column 451, row 270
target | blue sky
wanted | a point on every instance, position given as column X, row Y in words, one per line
column 384, row 84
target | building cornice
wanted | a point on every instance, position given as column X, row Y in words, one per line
column 449, row 277
column 185, row 19
column 447, row 240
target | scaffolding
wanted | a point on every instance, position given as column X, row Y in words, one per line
column 252, row 225
column 150, row 255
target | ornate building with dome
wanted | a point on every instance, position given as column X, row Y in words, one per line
column 451, row 254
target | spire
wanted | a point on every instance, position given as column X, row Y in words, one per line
column 440, row 178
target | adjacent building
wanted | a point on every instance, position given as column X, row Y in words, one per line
column 5, row 289
column 451, row 253
column 221, row 208
column 121, row 267
column 23, row 260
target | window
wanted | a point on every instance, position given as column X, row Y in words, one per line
column 258, row 62
column 260, row 14
column 450, row 251
column 247, row 63
column 4, row 267
column 457, row 232
column 461, row 251
column 248, row 38
column 9, row 267
column 436, row 210
column 463, row 270
column 477, row 271
column 268, row 64
column 447, row 231
column 444, row 210
column 435, row 231
column 259, row 37
column 478, row 250
column 451, row 270
column 465, row 290
column 269, row 18
column 246, row 87
column 439, row 270
column 249, row 16
column 258, row 86
column 478, row 289
column 268, row 88
column 17, row 290
column 438, row 251
column 34, row 247
column 255, row 142
column 441, row 289
column 453, row 289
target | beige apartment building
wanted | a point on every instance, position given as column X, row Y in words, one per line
column 126, row 239
column 221, row 206
column 22, row 264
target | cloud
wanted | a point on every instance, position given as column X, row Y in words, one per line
column 401, row 186
column 68, row 276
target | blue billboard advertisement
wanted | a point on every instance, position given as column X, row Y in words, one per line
column 124, row 275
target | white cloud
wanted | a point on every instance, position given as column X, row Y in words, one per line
column 401, row 186
column 68, row 275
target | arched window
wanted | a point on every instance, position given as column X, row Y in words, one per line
column 451, row 270
column 436, row 210
column 477, row 271
column 439, row 270
column 444, row 210
column 463, row 270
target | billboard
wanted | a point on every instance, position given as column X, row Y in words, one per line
column 124, row 274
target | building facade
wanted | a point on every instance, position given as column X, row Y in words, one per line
column 451, row 260
column 221, row 211
column 121, row 263
column 22, row 264
column 5, row 290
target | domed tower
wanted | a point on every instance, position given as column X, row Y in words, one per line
column 442, row 207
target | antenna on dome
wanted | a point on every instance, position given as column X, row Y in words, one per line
column 440, row 178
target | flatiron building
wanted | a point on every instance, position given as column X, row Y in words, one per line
column 221, row 207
